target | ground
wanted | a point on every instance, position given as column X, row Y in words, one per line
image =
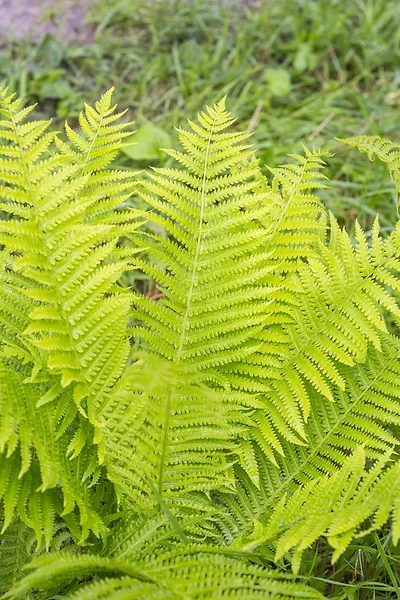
column 32, row 18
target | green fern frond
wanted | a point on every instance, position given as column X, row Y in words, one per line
column 306, row 309
column 212, row 266
column 365, row 412
column 342, row 506
column 195, row 574
column 231, row 237
column 19, row 546
column 17, row 549
column 102, row 136
column 63, row 334
column 297, row 217
column 340, row 295
column 168, row 430
column 14, row 314
column 383, row 149
column 38, row 480
column 72, row 259
column 338, row 506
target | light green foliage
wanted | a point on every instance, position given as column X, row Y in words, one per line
column 63, row 321
column 171, row 426
column 382, row 148
column 258, row 411
column 181, row 573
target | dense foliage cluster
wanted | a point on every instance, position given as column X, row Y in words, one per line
column 193, row 441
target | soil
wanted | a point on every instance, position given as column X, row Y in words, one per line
column 31, row 19
column 65, row 19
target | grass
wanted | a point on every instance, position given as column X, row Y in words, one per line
column 369, row 570
column 294, row 71
column 299, row 70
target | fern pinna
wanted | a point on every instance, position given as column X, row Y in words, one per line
column 183, row 445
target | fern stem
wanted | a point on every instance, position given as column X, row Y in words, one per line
column 165, row 438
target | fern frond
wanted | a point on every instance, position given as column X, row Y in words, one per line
column 168, row 430
column 101, row 139
column 383, row 149
column 72, row 260
column 338, row 506
column 347, row 504
column 297, row 218
column 38, row 480
column 195, row 574
column 306, row 308
column 216, row 253
column 221, row 272
column 17, row 548
column 63, row 334
column 365, row 413
column 340, row 295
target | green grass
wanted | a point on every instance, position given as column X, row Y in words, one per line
column 294, row 71
column 368, row 570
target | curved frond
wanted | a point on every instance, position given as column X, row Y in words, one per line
column 194, row 574
column 348, row 504
column 38, row 480
column 383, row 149
column 72, row 260
column 63, row 335
column 365, row 413
column 214, row 262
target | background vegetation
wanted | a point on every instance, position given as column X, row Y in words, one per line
column 294, row 71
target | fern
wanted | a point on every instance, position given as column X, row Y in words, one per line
column 253, row 331
column 71, row 259
column 211, row 575
column 259, row 409
column 179, row 433
column 214, row 259
column 383, row 149
column 64, row 340
column 337, row 506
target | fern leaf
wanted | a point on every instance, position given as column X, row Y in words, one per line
column 63, row 335
column 167, row 429
column 220, row 270
column 17, row 548
column 194, row 575
column 34, row 465
column 210, row 253
column 338, row 506
column 383, row 149
column 79, row 331
column 364, row 413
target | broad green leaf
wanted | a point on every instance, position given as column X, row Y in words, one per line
column 148, row 140
column 279, row 82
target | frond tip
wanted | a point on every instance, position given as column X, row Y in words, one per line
column 383, row 149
